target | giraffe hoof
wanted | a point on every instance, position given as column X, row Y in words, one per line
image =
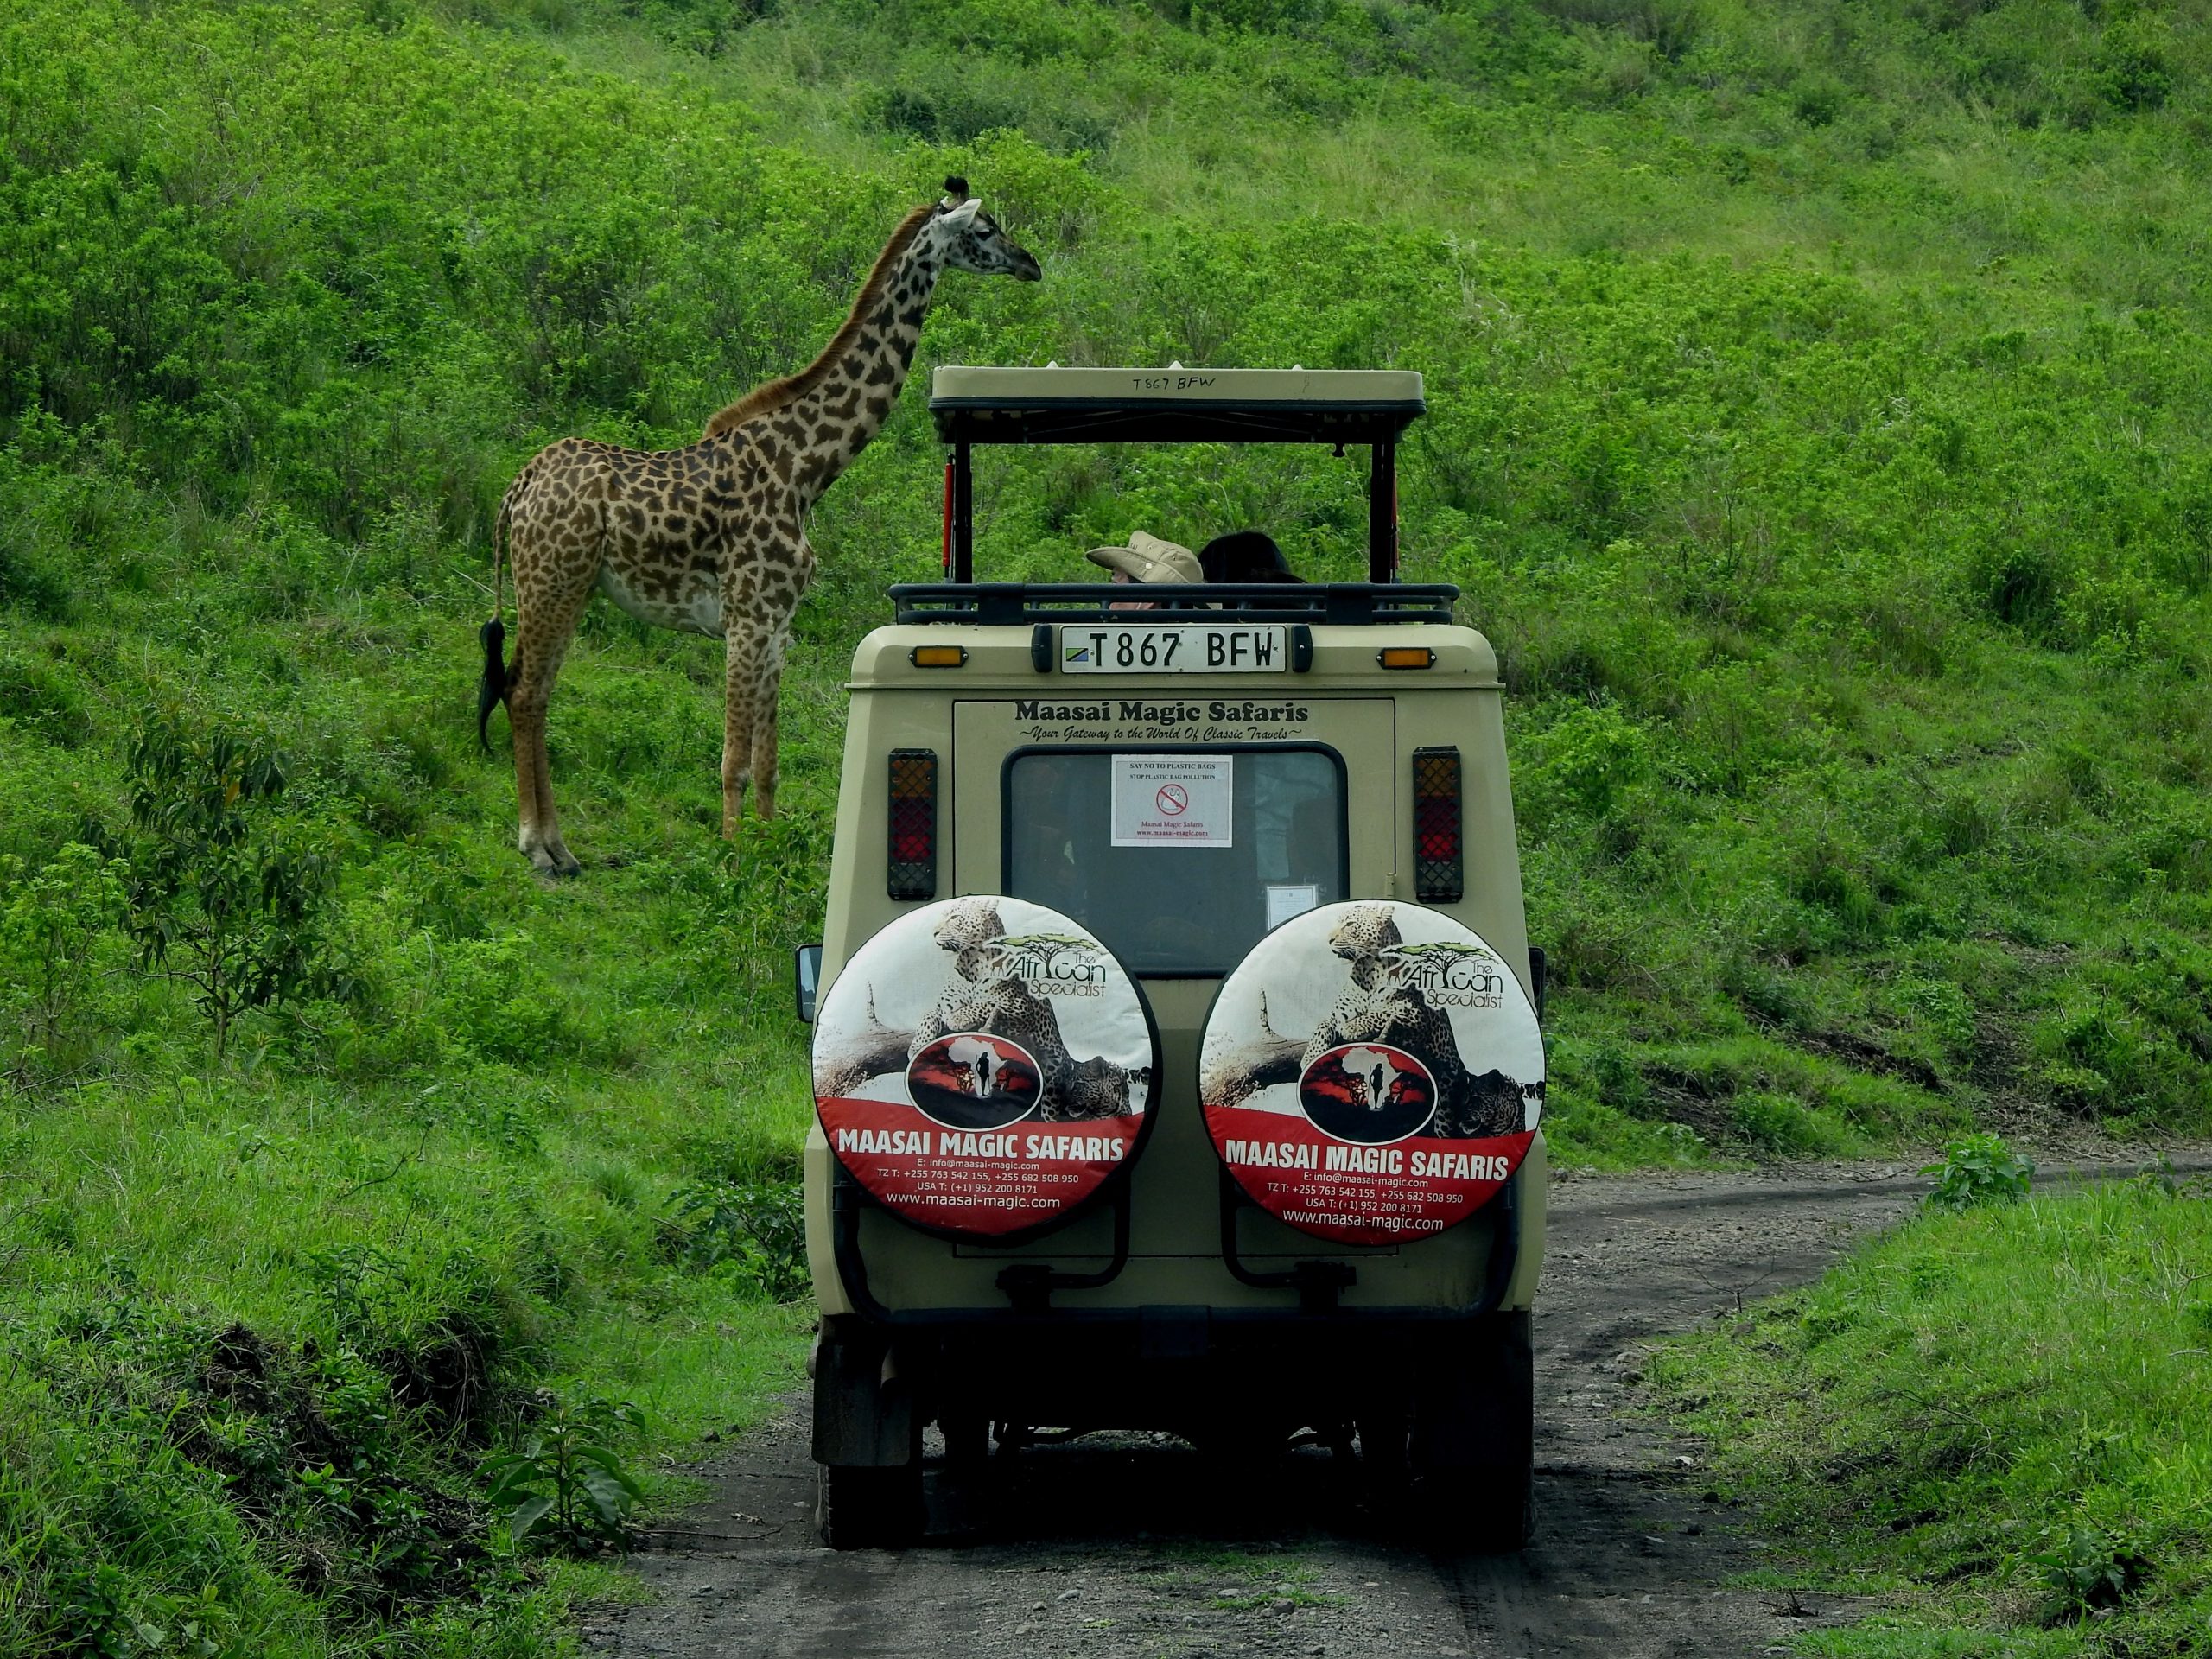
column 553, row 863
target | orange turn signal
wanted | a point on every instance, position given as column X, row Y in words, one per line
column 1406, row 657
column 938, row 656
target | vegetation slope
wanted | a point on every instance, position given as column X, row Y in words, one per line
column 1994, row 1425
column 1813, row 396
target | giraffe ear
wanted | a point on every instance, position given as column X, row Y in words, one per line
column 960, row 218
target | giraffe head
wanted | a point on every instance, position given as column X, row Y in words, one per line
column 965, row 238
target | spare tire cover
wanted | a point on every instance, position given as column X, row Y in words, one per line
column 983, row 1066
column 1371, row 1072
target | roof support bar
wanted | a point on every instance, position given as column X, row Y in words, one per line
column 1383, row 513
column 963, row 511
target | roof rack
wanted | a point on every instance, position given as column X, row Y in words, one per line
column 981, row 405
column 1173, row 405
column 1015, row 603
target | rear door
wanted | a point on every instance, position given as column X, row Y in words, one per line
column 1180, row 841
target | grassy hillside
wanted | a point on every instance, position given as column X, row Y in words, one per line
column 1994, row 1424
column 1813, row 425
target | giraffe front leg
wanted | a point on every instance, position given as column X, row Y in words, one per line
column 740, row 683
column 769, row 687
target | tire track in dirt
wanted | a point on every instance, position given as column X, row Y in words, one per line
column 1122, row 1545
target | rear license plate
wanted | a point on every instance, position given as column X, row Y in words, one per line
column 1087, row 648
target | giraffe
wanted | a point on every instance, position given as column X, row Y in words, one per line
column 711, row 538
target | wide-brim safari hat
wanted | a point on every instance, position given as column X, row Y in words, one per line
column 1148, row 558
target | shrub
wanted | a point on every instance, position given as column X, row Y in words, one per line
column 222, row 895
column 567, row 1477
column 1586, row 759
column 759, row 1225
column 1976, row 1170
column 49, row 924
column 44, row 698
column 2132, row 67
column 2084, row 1570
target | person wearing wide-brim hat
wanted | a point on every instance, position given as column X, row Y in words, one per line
column 1146, row 558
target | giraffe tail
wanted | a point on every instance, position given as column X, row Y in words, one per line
column 492, row 691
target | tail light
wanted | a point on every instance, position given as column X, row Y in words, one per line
column 911, row 854
column 1437, row 878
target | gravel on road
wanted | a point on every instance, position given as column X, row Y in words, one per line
column 1129, row 1545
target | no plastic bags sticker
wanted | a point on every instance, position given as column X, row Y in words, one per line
column 1173, row 800
column 1371, row 1073
column 983, row 1066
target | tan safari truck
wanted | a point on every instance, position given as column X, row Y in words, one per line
column 1176, row 1050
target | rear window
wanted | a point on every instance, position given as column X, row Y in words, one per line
column 1179, row 860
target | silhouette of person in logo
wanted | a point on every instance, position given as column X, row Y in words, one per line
column 1367, row 1093
column 971, row 1081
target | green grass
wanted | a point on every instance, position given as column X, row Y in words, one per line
column 1253, row 1582
column 1815, row 425
column 1962, row 1412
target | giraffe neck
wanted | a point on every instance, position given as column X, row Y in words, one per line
column 834, row 419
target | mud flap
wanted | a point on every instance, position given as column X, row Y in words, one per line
column 1472, row 1456
column 984, row 1068
column 1371, row 1073
column 867, row 1439
column 863, row 1409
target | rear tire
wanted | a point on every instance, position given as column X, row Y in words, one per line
column 967, row 1439
column 1472, row 1449
column 1383, row 1428
column 869, row 1509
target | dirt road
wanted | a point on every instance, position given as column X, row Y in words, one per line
column 1126, row 1546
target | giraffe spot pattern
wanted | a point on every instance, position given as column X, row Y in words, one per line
column 709, row 537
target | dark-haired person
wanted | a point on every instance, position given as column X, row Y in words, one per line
column 1246, row 556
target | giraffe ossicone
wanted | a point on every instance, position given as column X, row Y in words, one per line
column 711, row 538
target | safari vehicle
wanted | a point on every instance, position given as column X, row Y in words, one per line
column 1176, row 1055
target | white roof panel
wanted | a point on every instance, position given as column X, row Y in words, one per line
column 1017, row 388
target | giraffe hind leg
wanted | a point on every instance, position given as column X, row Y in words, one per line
column 542, row 632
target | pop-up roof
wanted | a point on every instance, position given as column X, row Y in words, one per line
column 1173, row 405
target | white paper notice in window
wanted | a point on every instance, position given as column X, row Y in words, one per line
column 1285, row 902
column 1173, row 800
